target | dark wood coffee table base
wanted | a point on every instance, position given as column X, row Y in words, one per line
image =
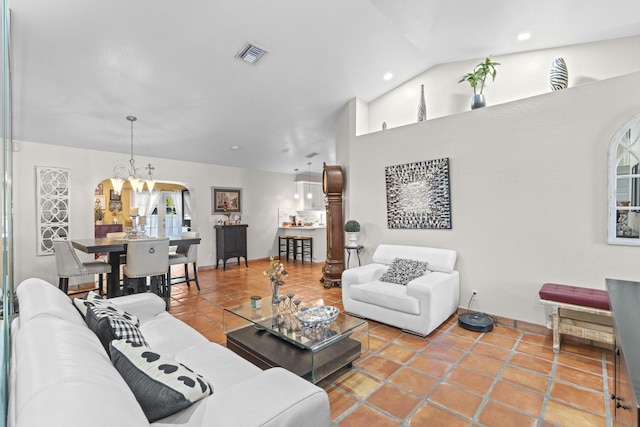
column 267, row 351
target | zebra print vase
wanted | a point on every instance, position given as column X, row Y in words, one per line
column 559, row 76
column 422, row 106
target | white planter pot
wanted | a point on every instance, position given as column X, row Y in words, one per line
column 352, row 239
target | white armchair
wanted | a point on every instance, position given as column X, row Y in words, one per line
column 420, row 306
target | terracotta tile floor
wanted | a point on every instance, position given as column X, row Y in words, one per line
column 453, row 377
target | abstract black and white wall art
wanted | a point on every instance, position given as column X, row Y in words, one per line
column 418, row 195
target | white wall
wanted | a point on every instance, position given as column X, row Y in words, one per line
column 528, row 191
column 263, row 193
column 519, row 76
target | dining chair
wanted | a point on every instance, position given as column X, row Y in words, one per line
column 185, row 254
column 147, row 258
column 68, row 265
column 119, row 235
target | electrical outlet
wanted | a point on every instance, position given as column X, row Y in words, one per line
column 474, row 294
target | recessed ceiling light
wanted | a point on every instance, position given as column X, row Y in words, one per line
column 524, row 36
column 235, row 148
column 388, row 76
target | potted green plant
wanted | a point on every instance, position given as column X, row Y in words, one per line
column 477, row 80
column 352, row 228
column 98, row 214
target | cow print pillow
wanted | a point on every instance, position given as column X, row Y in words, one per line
column 161, row 385
column 403, row 270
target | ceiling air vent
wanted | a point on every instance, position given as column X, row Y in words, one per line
column 251, row 53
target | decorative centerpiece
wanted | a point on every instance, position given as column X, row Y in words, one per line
column 286, row 304
column 276, row 273
column 477, row 79
column 318, row 316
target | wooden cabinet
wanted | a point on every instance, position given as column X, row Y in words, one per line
column 623, row 297
column 101, row 230
column 231, row 242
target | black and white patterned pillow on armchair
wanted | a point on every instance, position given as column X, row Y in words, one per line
column 403, row 270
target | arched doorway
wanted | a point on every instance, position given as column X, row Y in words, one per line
column 166, row 211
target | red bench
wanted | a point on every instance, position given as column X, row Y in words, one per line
column 577, row 311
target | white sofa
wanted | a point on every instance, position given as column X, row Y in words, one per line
column 61, row 375
column 420, row 306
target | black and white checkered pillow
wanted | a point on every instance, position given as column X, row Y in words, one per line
column 110, row 325
column 161, row 385
column 403, row 270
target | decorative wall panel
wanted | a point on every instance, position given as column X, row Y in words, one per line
column 418, row 195
column 52, row 205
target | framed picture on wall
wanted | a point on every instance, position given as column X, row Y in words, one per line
column 98, row 190
column 418, row 195
column 115, row 206
column 226, row 200
column 113, row 196
column 99, row 202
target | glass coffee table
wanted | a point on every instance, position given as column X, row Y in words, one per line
column 269, row 337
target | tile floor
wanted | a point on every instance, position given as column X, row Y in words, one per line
column 453, row 377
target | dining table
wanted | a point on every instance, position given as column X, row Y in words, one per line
column 114, row 248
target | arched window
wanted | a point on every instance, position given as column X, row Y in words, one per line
column 624, row 185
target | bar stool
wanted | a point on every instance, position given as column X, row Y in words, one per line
column 185, row 254
column 303, row 245
column 284, row 244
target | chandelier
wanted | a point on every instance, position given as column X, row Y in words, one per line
column 134, row 174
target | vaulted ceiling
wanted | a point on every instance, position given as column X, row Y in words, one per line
column 79, row 67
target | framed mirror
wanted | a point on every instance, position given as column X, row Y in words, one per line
column 624, row 185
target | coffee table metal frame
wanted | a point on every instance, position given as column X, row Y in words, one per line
column 269, row 337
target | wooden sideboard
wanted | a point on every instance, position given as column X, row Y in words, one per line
column 624, row 297
column 231, row 242
column 101, row 230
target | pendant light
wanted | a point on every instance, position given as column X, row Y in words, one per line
column 134, row 174
column 309, row 195
column 295, row 186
